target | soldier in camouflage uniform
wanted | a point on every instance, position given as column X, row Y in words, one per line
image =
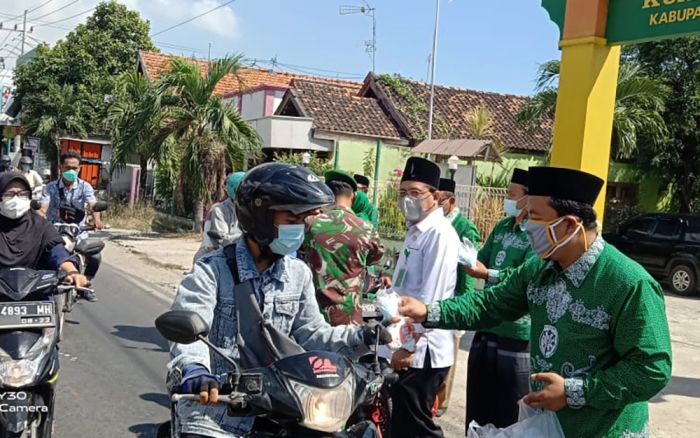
column 339, row 247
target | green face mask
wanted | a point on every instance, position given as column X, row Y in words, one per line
column 70, row 175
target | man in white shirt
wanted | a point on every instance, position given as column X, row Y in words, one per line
column 36, row 182
column 426, row 270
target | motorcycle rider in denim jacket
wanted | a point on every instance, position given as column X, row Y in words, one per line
column 272, row 203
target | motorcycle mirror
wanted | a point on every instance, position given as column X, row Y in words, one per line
column 100, row 206
column 35, row 205
column 181, row 326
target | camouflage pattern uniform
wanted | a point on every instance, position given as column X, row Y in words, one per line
column 339, row 247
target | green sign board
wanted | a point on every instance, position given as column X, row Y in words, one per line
column 556, row 10
column 632, row 21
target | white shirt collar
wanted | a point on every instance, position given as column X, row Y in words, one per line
column 430, row 220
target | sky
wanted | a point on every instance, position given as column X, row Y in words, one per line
column 493, row 45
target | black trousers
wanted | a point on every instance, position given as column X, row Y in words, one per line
column 498, row 375
column 413, row 397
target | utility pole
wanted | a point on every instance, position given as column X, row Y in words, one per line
column 24, row 30
column 432, row 70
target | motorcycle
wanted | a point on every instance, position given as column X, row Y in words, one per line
column 29, row 325
column 85, row 249
column 312, row 394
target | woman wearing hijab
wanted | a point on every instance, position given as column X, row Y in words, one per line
column 28, row 240
column 364, row 209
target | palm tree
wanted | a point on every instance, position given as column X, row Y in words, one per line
column 639, row 105
column 208, row 130
column 481, row 122
column 138, row 125
column 62, row 114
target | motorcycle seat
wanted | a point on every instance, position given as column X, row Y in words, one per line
column 89, row 246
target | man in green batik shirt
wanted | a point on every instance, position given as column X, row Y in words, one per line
column 464, row 227
column 498, row 370
column 600, row 341
column 465, row 283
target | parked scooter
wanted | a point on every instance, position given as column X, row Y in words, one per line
column 311, row 394
column 30, row 321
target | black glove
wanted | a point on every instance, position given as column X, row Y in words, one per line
column 196, row 379
column 371, row 330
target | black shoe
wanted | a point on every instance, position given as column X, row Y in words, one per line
column 440, row 412
column 89, row 295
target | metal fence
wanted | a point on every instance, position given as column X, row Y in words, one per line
column 482, row 205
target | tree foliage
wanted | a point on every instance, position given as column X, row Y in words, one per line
column 639, row 105
column 182, row 125
column 676, row 64
column 88, row 60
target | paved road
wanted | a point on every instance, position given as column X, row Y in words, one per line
column 113, row 360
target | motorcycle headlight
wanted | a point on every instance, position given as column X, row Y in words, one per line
column 326, row 410
column 23, row 372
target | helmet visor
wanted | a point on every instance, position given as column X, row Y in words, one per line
column 297, row 208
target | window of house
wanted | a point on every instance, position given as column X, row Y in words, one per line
column 623, row 193
column 667, row 229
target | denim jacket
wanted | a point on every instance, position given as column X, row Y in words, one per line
column 289, row 300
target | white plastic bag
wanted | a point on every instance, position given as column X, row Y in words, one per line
column 388, row 303
column 532, row 423
column 467, row 254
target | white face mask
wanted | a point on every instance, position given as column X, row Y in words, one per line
column 510, row 207
column 412, row 208
column 15, row 207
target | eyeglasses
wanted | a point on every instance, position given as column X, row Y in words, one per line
column 414, row 193
column 22, row 194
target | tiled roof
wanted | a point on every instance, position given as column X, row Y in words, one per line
column 339, row 109
column 156, row 63
column 452, row 105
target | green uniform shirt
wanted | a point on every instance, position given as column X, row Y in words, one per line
column 465, row 228
column 507, row 248
column 601, row 324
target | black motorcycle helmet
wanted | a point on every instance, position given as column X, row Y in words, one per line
column 5, row 159
column 25, row 163
column 274, row 187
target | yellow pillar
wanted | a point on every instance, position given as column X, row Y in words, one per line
column 586, row 96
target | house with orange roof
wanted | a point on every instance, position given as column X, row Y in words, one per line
column 384, row 116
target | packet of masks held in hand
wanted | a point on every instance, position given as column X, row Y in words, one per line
column 388, row 303
column 403, row 334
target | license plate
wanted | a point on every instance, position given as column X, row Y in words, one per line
column 369, row 308
column 31, row 314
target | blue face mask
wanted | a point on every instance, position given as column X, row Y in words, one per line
column 289, row 239
column 70, row 175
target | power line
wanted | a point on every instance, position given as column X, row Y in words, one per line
column 42, row 23
column 40, row 6
column 56, row 10
column 193, row 18
column 70, row 18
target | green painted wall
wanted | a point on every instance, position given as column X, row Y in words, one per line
column 351, row 155
column 649, row 186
